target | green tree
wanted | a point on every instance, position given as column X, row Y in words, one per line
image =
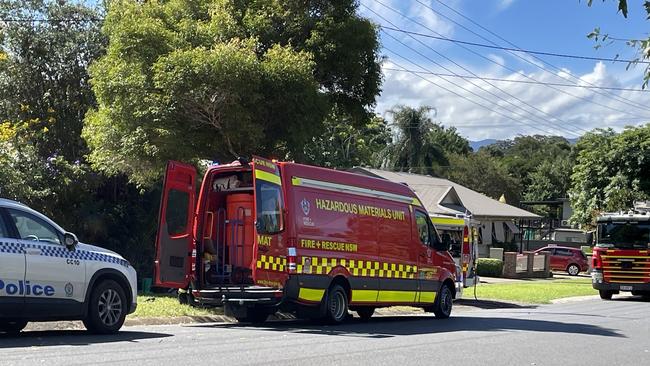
column 449, row 140
column 642, row 44
column 483, row 173
column 611, row 171
column 190, row 79
column 525, row 154
column 550, row 180
column 343, row 145
column 413, row 149
column 43, row 75
column 44, row 95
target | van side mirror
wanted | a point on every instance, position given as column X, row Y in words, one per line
column 70, row 240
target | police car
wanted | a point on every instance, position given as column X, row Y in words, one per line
column 46, row 275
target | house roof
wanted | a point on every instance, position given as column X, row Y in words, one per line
column 442, row 196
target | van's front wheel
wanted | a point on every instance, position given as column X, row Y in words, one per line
column 337, row 305
column 443, row 303
column 12, row 327
column 365, row 313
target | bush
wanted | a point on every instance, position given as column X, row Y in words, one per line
column 489, row 267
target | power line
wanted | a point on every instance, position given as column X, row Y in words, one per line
column 471, row 100
column 621, row 100
column 542, row 120
column 516, row 49
column 527, row 82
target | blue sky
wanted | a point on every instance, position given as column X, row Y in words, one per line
column 510, row 109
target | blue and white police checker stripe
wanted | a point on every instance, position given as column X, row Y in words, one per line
column 61, row 252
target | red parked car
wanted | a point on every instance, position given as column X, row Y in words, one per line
column 571, row 260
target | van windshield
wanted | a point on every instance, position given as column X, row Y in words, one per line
column 627, row 235
column 269, row 207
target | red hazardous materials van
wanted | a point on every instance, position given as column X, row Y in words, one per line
column 264, row 236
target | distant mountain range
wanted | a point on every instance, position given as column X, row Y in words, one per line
column 479, row 144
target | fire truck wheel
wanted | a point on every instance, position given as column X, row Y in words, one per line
column 107, row 308
column 337, row 305
column 443, row 303
column 183, row 298
column 606, row 295
column 365, row 313
column 12, row 326
column 573, row 269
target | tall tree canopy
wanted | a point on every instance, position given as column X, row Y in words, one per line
column 44, row 95
column 612, row 170
column 188, row 79
column 344, row 145
column 483, row 173
column 419, row 144
column 530, row 158
column 44, row 89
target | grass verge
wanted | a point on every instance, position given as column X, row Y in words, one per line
column 536, row 292
column 151, row 306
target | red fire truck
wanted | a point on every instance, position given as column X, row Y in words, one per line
column 621, row 257
column 264, row 236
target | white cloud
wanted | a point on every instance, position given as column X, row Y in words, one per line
column 429, row 20
column 504, row 4
column 475, row 122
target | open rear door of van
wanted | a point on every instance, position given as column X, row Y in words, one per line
column 174, row 241
column 269, row 222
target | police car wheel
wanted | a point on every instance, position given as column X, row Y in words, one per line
column 443, row 303
column 12, row 327
column 337, row 305
column 107, row 308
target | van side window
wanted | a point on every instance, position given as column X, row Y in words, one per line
column 269, row 207
column 422, row 221
column 176, row 215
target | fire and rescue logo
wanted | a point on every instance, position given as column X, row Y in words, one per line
column 304, row 204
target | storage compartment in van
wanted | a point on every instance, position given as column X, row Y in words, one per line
column 228, row 231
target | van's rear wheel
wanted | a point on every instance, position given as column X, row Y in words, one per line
column 254, row 317
column 12, row 326
column 365, row 313
column 107, row 308
column 443, row 303
column 337, row 305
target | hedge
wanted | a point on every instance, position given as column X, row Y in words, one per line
column 489, row 267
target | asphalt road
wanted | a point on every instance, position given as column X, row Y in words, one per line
column 591, row 332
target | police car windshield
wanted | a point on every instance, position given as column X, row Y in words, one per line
column 625, row 235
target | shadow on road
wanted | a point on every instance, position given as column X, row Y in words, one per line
column 387, row 327
column 492, row 304
column 71, row 338
column 631, row 298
